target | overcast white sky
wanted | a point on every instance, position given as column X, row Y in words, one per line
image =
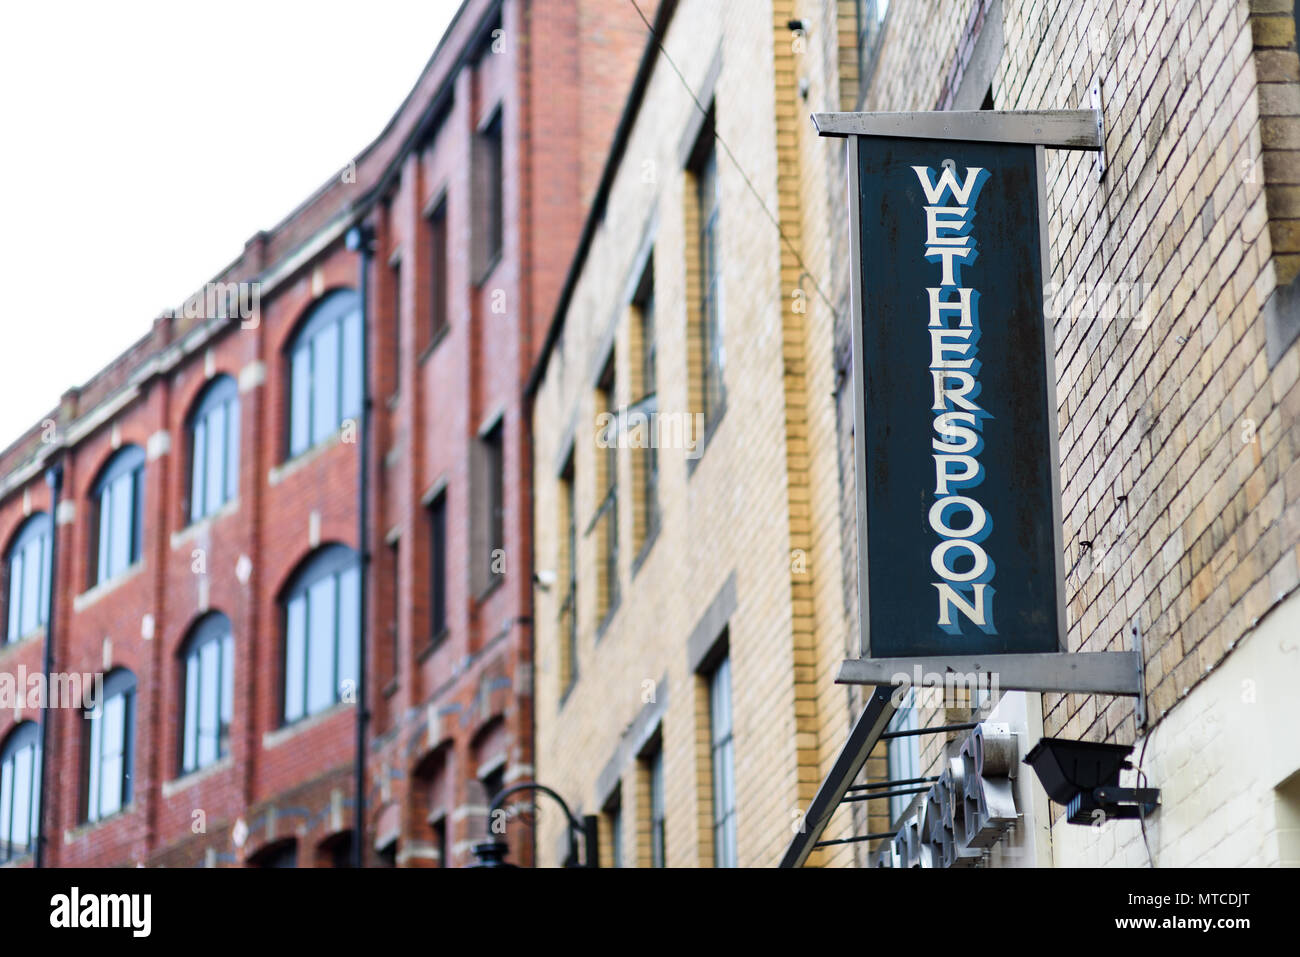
column 144, row 142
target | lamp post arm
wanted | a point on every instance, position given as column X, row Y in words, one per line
column 575, row 826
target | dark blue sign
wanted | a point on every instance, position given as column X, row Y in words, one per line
column 957, row 425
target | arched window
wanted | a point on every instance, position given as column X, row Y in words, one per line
column 208, row 665
column 325, row 370
column 214, row 448
column 27, row 565
column 118, row 525
column 322, row 632
column 20, row 791
column 109, row 743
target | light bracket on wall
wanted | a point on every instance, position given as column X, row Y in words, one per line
column 1094, row 96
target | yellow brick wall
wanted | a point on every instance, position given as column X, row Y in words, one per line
column 761, row 502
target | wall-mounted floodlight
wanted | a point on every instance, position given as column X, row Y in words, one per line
column 1084, row 777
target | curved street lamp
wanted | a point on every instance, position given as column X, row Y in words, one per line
column 492, row 853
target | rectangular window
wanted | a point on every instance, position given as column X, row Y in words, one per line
column 654, row 771
column 438, row 271
column 871, row 22
column 321, row 603
column 648, row 459
column 300, row 401
column 903, row 755
column 494, row 461
column 440, row 840
column 708, row 263
column 722, row 760
column 614, row 828
column 349, row 634
column 569, row 579
column 397, row 326
column 489, row 171
column 28, row 588
column 607, row 441
column 108, row 755
column 322, row 643
column 120, row 525
column 295, row 658
column 494, row 782
column 395, row 609
column 438, row 567
column 350, row 369
column 325, row 364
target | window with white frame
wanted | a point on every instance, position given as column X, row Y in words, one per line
column 20, row 791
column 208, row 664
column 322, row 632
column 27, row 567
column 214, row 448
column 324, row 359
column 109, row 740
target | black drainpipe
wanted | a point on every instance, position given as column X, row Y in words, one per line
column 54, row 479
column 360, row 239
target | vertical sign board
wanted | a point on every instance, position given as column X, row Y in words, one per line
column 959, row 515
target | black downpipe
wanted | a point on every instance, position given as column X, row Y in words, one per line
column 54, row 479
column 361, row 239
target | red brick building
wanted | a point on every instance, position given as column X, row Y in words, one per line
column 208, row 529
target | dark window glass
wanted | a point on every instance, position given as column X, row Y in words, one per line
column 440, row 840
column 28, row 568
column 569, row 607
column 119, row 522
column 340, row 850
column 438, row 272
column 281, row 855
column 494, row 782
column 325, row 369
column 607, row 439
column 871, row 21
column 438, row 566
column 395, row 611
column 494, row 448
column 645, row 307
column 20, row 791
column 208, row 663
column 397, row 326
column 322, row 633
column 491, row 195
column 614, row 820
column 713, row 357
column 722, row 753
column 214, row 448
column 658, row 847
column 109, row 740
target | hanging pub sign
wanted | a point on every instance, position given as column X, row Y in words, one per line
column 962, row 550
column 960, row 559
column 959, row 505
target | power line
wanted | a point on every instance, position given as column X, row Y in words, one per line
column 732, row 156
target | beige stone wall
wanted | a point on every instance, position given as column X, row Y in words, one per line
column 761, row 503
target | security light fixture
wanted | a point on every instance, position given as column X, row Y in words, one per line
column 1084, row 777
